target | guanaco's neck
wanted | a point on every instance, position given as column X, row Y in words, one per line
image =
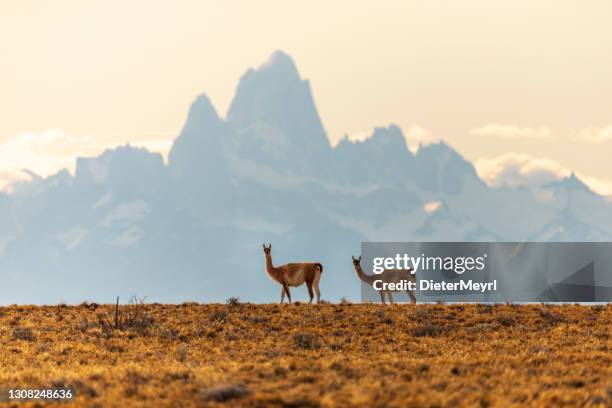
column 270, row 269
column 369, row 279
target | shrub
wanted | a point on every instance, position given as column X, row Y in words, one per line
column 218, row 316
column 225, row 392
column 505, row 321
column 89, row 305
column 551, row 317
column 428, row 330
column 233, row 301
column 128, row 317
column 23, row 333
column 306, row 341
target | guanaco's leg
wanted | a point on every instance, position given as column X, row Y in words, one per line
column 282, row 295
column 390, row 295
column 310, row 293
column 286, row 288
column 382, row 296
column 412, row 297
column 316, row 287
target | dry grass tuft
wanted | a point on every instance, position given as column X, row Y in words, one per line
column 306, row 341
column 226, row 392
column 23, row 333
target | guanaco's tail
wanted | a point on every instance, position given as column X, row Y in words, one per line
column 320, row 267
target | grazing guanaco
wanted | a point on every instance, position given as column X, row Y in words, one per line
column 294, row 274
column 387, row 276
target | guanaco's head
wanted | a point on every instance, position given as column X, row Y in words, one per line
column 356, row 261
column 268, row 249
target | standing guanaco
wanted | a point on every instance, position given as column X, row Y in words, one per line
column 294, row 274
column 387, row 276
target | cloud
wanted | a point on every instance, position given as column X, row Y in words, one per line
column 515, row 170
column 594, row 135
column 432, row 206
column 512, row 131
column 600, row 186
column 417, row 135
column 522, row 170
column 45, row 153
column 9, row 177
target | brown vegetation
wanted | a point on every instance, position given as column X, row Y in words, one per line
column 311, row 355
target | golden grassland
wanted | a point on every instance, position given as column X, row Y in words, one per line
column 311, row 355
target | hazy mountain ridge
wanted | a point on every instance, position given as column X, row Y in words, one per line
column 192, row 230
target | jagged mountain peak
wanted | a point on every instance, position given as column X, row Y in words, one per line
column 122, row 165
column 439, row 147
column 391, row 135
column 201, row 114
column 201, row 137
column 441, row 152
column 441, row 168
column 275, row 93
column 571, row 182
column 273, row 101
column 280, row 64
column 383, row 157
column 387, row 140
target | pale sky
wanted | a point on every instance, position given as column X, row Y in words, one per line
column 519, row 83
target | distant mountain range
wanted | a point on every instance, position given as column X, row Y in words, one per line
column 126, row 223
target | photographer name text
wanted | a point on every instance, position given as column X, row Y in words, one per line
column 425, row 284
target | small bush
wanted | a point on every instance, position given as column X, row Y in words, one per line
column 233, row 301
column 384, row 318
column 485, row 308
column 131, row 317
column 480, row 328
column 306, row 341
column 218, row 316
column 428, row 330
column 23, row 333
column 505, row 321
column 89, row 305
column 225, row 392
column 551, row 317
column 422, row 313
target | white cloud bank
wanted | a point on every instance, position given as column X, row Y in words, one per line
column 515, row 170
column 45, row 153
column 594, row 135
column 512, row 131
column 518, row 170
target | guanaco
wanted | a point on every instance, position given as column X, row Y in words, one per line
column 387, row 276
column 294, row 274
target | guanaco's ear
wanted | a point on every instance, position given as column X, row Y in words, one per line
column 352, row 257
column 359, row 259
